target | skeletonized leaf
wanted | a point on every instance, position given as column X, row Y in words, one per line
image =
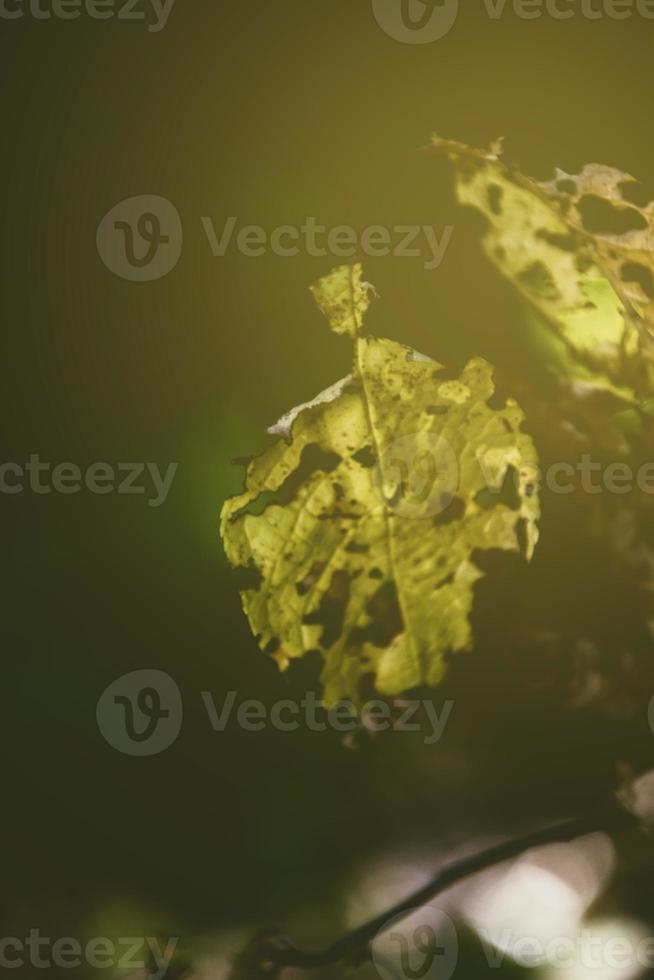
column 363, row 526
column 600, row 202
column 576, row 250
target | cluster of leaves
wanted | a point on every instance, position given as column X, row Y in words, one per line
column 363, row 525
column 579, row 251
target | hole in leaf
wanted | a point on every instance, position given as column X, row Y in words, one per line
column 453, row 511
column 384, row 611
column 538, row 279
column 601, row 217
column 635, row 272
column 331, row 612
column 507, row 494
column 366, row 687
column 495, row 195
column 365, row 457
column 312, row 460
column 566, row 186
column 257, row 506
column 248, row 579
column 491, row 561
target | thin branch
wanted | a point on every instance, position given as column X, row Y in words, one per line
column 271, row 953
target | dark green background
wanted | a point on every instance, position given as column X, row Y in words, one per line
column 269, row 111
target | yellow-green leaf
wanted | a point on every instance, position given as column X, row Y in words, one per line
column 557, row 244
column 601, row 204
column 364, row 523
column 343, row 298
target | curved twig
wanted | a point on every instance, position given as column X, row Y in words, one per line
column 270, row 953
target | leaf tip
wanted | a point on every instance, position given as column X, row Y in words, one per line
column 344, row 297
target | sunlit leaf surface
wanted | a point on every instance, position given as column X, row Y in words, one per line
column 579, row 250
column 361, row 528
